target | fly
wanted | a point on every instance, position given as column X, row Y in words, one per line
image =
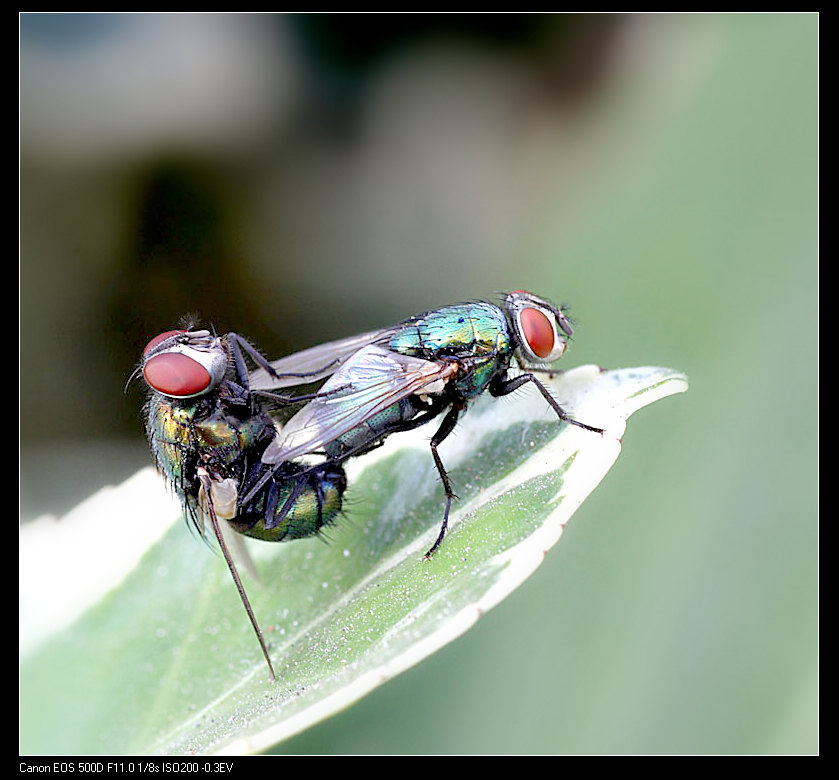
column 404, row 376
column 208, row 432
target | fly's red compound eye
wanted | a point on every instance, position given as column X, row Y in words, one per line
column 160, row 339
column 176, row 374
column 184, row 363
column 538, row 331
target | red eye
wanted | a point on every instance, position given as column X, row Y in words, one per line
column 172, row 373
column 160, row 339
column 538, row 332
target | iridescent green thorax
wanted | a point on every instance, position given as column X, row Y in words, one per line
column 476, row 333
column 208, row 434
column 186, row 434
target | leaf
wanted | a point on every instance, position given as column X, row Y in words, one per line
column 133, row 637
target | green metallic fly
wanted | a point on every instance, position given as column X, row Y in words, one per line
column 208, row 432
column 406, row 375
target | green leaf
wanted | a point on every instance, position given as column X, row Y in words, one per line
column 134, row 640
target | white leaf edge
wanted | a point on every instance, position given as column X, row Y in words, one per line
column 69, row 564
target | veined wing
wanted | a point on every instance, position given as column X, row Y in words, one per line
column 366, row 384
column 314, row 363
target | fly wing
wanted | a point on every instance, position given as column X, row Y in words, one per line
column 366, row 384
column 315, row 363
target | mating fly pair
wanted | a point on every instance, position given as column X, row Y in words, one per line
column 212, row 428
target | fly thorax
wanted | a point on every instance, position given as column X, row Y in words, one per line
column 227, row 437
column 170, row 422
column 216, row 434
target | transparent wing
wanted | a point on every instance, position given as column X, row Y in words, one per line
column 366, row 384
column 315, row 363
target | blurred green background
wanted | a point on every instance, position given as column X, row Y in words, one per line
column 298, row 178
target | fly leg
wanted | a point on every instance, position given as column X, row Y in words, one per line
column 271, row 516
column 499, row 387
column 446, row 427
column 206, row 483
column 239, row 347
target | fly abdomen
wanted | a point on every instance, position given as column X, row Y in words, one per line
column 295, row 503
column 368, row 434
